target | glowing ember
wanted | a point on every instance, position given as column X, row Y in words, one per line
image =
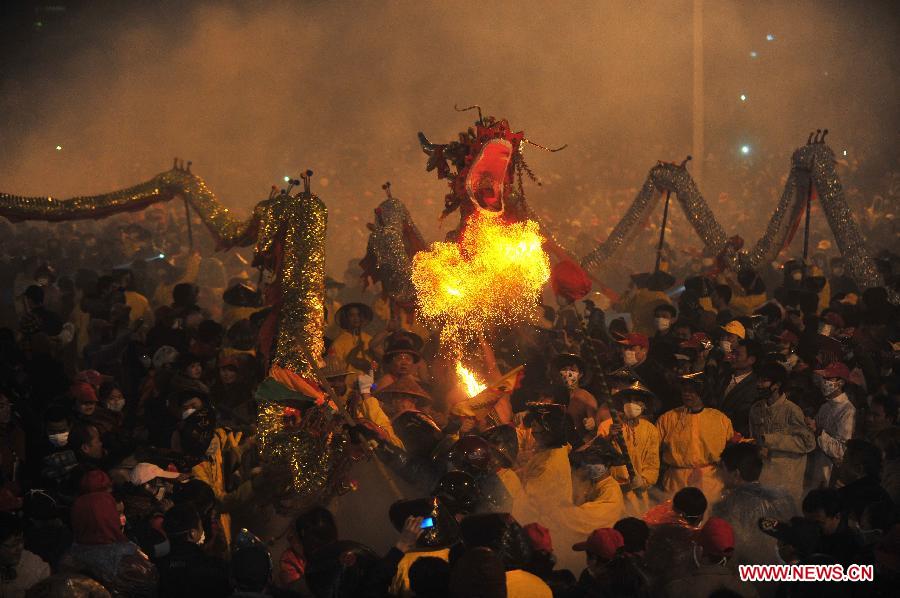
column 491, row 278
column 469, row 381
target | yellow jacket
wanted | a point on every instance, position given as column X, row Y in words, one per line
column 548, row 480
column 522, row 509
column 642, row 442
column 371, row 410
column 606, row 506
column 522, row 584
column 211, row 470
column 691, row 444
column 640, row 304
column 400, row 584
column 346, row 343
column 140, row 307
column 745, row 305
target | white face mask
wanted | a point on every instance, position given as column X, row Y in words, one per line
column 725, row 346
column 629, row 357
column 662, row 324
column 115, row 406
column 632, row 410
column 570, row 377
column 59, row 439
column 829, row 387
column 188, row 412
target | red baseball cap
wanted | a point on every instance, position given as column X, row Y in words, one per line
column 835, row 369
column 539, row 537
column 635, row 339
column 83, row 392
column 716, row 537
column 92, row 377
column 604, row 543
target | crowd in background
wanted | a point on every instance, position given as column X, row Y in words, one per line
column 701, row 420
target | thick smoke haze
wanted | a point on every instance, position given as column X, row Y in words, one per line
column 253, row 91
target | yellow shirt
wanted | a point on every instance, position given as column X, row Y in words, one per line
column 607, row 507
column 691, row 444
column 522, row 584
column 400, row 584
column 693, row 439
column 140, row 307
column 745, row 305
column 346, row 344
column 522, row 509
column 371, row 410
column 548, row 480
column 642, row 442
column 640, row 304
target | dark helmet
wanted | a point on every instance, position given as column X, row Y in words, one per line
column 505, row 443
column 501, row 533
column 599, row 452
column 444, row 529
column 419, row 433
column 458, row 491
column 550, row 423
column 471, row 454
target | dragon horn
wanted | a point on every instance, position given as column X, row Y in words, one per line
column 480, row 118
column 818, row 132
column 562, row 147
column 306, row 176
column 685, row 161
column 387, row 189
column 824, row 133
column 427, row 146
column 809, row 139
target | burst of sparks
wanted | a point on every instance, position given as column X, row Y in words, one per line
column 472, row 385
column 491, row 278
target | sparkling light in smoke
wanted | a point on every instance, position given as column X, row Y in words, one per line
column 472, row 385
column 491, row 278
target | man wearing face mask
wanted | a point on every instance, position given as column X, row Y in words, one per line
column 635, row 349
column 834, row 424
column 582, row 407
column 642, row 440
column 51, row 462
column 663, row 318
column 778, row 426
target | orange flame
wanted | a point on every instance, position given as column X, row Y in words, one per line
column 471, row 384
column 492, row 277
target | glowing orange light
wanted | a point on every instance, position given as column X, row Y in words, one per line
column 468, row 380
column 491, row 278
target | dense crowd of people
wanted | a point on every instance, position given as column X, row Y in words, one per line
column 651, row 443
